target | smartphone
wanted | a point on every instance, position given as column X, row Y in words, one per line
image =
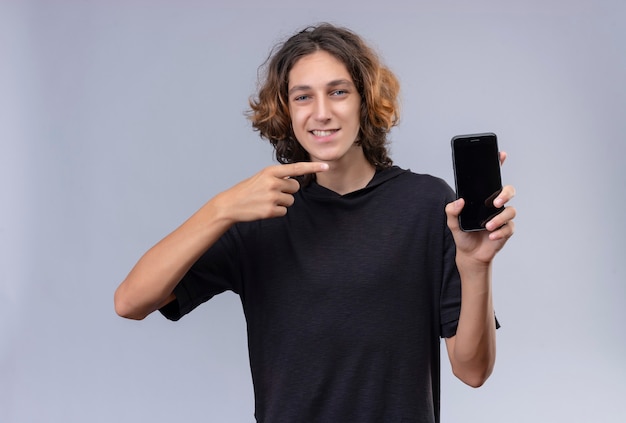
column 476, row 162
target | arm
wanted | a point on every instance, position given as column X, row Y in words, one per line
column 150, row 284
column 472, row 351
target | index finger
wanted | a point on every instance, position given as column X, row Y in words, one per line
column 507, row 193
column 299, row 169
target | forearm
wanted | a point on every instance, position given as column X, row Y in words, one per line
column 473, row 349
column 150, row 283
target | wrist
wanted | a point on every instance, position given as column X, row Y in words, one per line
column 218, row 211
column 466, row 264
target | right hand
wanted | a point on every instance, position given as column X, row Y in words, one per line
column 266, row 194
column 150, row 284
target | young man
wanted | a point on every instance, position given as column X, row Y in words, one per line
column 349, row 269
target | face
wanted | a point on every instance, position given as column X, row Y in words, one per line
column 324, row 106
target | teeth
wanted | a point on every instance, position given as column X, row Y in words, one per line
column 318, row 133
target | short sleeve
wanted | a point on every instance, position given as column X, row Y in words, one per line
column 216, row 271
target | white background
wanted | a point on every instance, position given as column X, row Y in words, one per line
column 119, row 119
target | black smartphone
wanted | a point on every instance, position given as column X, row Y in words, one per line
column 476, row 162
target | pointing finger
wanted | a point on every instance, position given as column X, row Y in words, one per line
column 298, row 169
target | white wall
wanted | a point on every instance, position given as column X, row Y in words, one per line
column 119, row 119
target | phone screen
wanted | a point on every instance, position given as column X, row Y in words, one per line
column 477, row 176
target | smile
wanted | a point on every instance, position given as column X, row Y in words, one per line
column 319, row 133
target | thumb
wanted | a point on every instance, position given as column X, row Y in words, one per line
column 453, row 210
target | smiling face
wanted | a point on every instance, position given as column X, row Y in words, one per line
column 324, row 106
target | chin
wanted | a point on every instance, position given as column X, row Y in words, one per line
column 325, row 158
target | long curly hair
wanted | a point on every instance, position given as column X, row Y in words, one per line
column 376, row 84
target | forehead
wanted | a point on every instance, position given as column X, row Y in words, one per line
column 319, row 67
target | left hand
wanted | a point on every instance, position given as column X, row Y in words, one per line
column 482, row 246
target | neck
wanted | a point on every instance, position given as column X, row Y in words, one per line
column 344, row 178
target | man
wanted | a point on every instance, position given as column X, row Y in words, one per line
column 348, row 268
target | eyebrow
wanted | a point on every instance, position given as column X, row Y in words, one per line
column 334, row 83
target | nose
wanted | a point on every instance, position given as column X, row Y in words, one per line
column 321, row 110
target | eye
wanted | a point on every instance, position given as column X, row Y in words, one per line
column 339, row 93
column 302, row 97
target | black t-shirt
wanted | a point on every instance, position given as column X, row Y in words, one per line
column 345, row 299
